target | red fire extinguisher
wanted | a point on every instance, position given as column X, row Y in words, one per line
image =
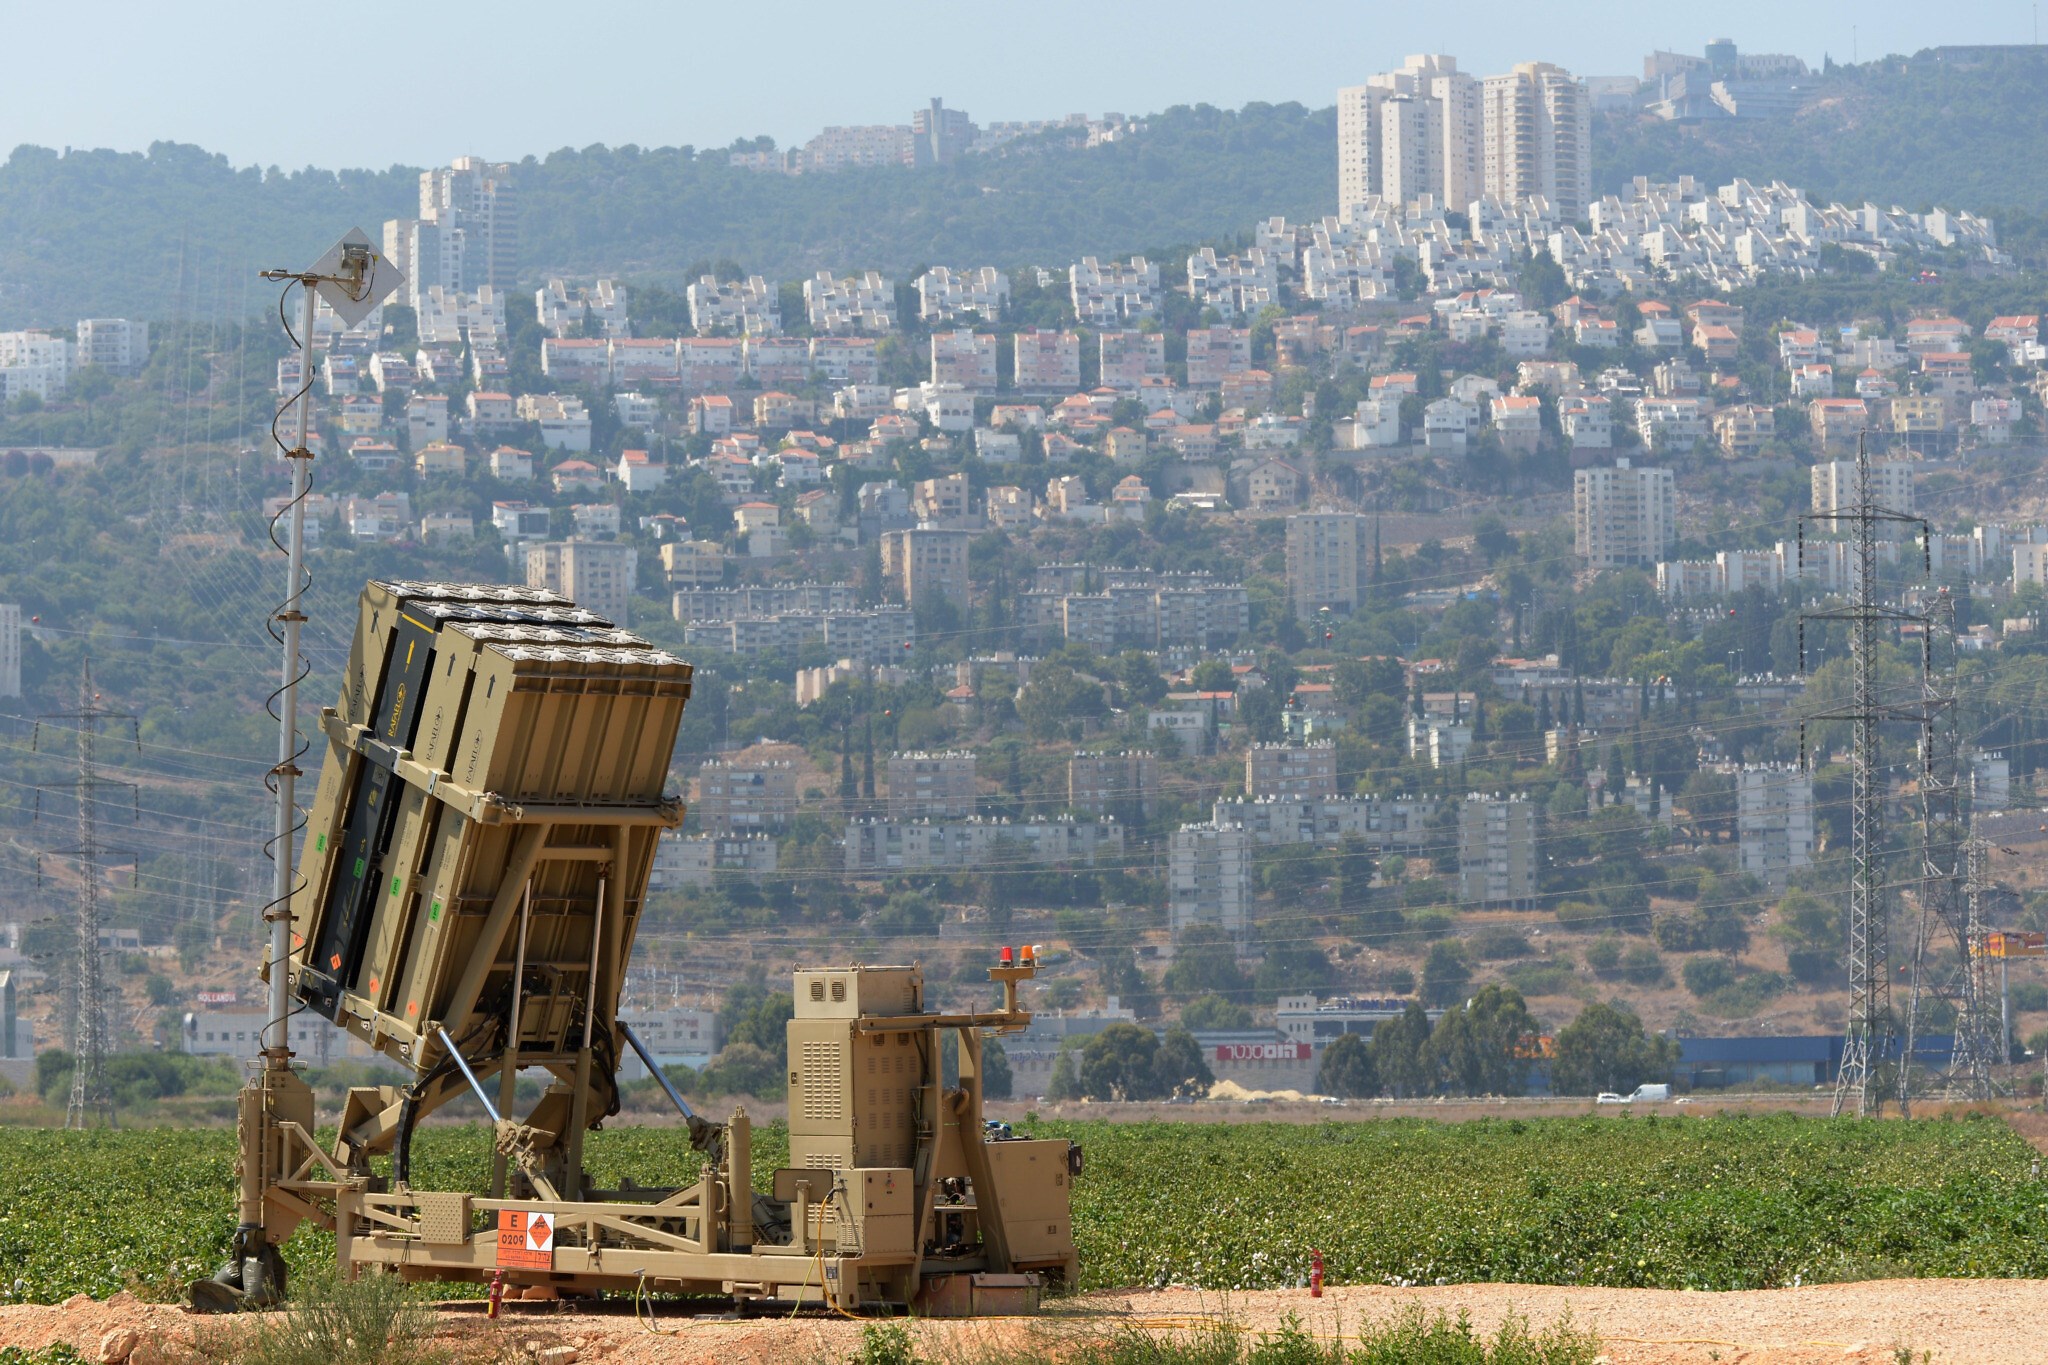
column 1315, row 1274
column 498, row 1293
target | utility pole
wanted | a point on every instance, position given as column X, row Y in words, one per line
column 1869, row 1044
column 92, row 1101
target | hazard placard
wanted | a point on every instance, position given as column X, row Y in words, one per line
column 526, row 1240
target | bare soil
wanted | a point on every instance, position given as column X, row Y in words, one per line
column 1971, row 1322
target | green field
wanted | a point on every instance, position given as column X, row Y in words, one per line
column 1698, row 1203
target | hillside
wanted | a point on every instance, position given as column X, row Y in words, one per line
column 177, row 232
column 1886, row 131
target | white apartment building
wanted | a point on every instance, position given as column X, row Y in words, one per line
column 1891, row 485
column 597, row 575
column 1290, row 771
column 751, row 307
column 563, row 420
column 1623, row 515
column 1496, row 851
column 1209, row 879
column 239, row 1033
column 863, row 303
column 1047, row 361
column 1774, row 821
column 563, row 308
column 116, row 345
column 1410, row 133
column 1326, row 557
column 1538, row 139
column 943, row 296
column 33, row 362
column 1113, row 295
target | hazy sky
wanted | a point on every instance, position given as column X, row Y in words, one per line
column 423, row 81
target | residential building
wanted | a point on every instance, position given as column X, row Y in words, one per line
column 858, row 304
column 913, row 845
column 1588, row 421
column 426, row 419
column 846, row 359
column 564, row 422
column 931, row 786
column 1891, row 485
column 1047, row 361
column 692, row 563
column 116, row 345
column 752, row 792
column 1214, row 352
column 1123, row 785
column 1409, row 134
column 1774, row 821
column 1326, row 560
column 1671, row 424
column 926, row 564
column 1496, row 851
column 466, row 237
column 441, row 460
column 1209, row 879
column 1623, row 515
column 694, row 859
column 965, row 359
column 519, row 523
column 943, row 296
column 1838, row 422
column 750, row 308
column 1290, row 772
column 1129, row 357
column 942, row 501
column 598, row 576
column 1745, row 428
column 562, row 308
column 1113, row 295
column 1537, row 139
column 1518, row 422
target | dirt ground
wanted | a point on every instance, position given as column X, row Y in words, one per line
column 1969, row 1322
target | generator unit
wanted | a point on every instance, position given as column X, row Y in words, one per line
column 472, row 878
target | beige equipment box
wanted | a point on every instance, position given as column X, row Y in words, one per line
column 472, row 881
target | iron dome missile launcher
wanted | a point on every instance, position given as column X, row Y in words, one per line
column 474, row 869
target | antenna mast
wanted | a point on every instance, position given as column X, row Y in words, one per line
column 354, row 279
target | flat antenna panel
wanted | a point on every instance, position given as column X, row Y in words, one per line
column 354, row 277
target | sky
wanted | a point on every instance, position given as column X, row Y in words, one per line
column 374, row 83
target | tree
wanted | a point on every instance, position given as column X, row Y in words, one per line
column 1214, row 675
column 1346, row 1070
column 1205, row 963
column 1065, row 1083
column 996, row 1080
column 1397, row 1050
column 745, row 1069
column 1120, row 1063
column 1213, row 1012
column 1445, row 973
column 1056, row 696
column 1483, row 1046
column 1606, row 1049
column 1179, row 1067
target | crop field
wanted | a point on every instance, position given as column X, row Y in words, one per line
column 1680, row 1203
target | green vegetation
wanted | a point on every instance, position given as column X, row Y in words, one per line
column 1885, row 130
column 1701, row 1203
column 177, row 231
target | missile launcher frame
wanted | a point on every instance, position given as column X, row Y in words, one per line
column 473, row 873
